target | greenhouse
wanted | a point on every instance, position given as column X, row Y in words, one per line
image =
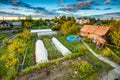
column 41, row 54
column 73, row 38
column 40, row 30
column 61, row 48
column 46, row 33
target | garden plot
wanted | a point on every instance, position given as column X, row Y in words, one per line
column 53, row 53
column 61, row 48
column 41, row 54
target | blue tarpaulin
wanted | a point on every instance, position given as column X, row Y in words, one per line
column 73, row 38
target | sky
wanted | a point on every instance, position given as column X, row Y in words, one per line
column 51, row 8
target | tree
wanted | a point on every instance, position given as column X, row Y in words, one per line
column 27, row 24
column 55, row 19
column 69, row 28
column 17, row 46
column 63, row 18
column 29, row 18
column 114, row 32
column 65, row 28
column 25, row 35
column 56, row 27
column 73, row 29
column 72, row 19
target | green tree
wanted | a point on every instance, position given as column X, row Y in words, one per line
column 114, row 32
column 55, row 19
column 63, row 19
column 56, row 27
column 25, row 35
column 72, row 19
column 29, row 18
column 27, row 24
column 69, row 28
column 65, row 28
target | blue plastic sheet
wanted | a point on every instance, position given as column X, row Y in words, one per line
column 73, row 38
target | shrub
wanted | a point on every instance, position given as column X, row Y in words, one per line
column 56, row 62
column 87, row 40
column 69, row 56
column 85, row 67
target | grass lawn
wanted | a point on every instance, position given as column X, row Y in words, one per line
column 53, row 53
column 3, row 70
column 2, row 36
column 72, row 46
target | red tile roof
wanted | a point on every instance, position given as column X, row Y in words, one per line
column 84, row 28
column 92, row 29
column 102, row 30
column 99, row 30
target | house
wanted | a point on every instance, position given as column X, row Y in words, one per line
column 17, row 24
column 4, row 24
column 96, row 33
column 82, row 21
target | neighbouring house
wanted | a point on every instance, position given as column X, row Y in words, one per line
column 97, row 34
column 82, row 21
column 98, row 23
column 50, row 23
column 4, row 24
column 17, row 24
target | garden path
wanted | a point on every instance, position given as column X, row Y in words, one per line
column 112, row 74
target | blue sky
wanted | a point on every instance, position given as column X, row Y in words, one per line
column 51, row 8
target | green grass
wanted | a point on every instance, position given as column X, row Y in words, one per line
column 72, row 46
column 93, row 47
column 115, row 50
column 29, row 60
column 3, row 69
column 53, row 53
column 2, row 36
column 3, row 51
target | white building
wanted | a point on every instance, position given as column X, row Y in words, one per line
column 17, row 24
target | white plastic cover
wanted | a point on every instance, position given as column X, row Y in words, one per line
column 41, row 30
column 46, row 33
column 61, row 48
column 41, row 54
